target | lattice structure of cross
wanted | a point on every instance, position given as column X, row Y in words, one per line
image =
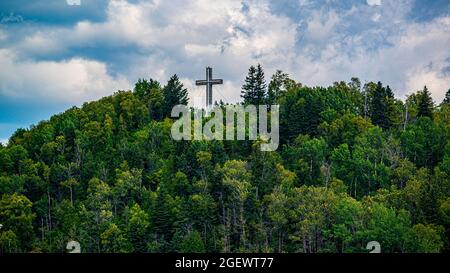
column 209, row 82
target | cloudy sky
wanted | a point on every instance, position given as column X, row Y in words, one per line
column 54, row 55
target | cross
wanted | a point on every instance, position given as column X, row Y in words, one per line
column 209, row 82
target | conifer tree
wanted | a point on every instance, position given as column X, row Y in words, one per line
column 248, row 88
column 425, row 103
column 447, row 97
column 174, row 94
column 379, row 106
column 254, row 89
column 161, row 219
column 260, row 87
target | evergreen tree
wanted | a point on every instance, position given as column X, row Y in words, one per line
column 161, row 219
column 379, row 106
column 174, row 94
column 447, row 97
column 260, row 87
column 389, row 93
column 425, row 103
column 254, row 89
column 248, row 88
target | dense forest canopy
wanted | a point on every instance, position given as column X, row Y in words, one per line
column 355, row 165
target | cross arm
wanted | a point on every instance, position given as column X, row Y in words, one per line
column 218, row 81
column 201, row 82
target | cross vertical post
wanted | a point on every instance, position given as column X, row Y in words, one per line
column 209, row 82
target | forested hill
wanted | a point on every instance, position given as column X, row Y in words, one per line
column 355, row 165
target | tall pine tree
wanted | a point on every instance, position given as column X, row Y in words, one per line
column 254, row 89
column 447, row 98
column 379, row 106
column 425, row 103
column 174, row 94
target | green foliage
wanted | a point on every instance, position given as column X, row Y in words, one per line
column 425, row 103
column 9, row 242
column 278, row 86
column 447, row 98
column 355, row 165
column 381, row 103
column 191, row 243
column 17, row 217
column 424, row 142
column 174, row 94
column 254, row 90
column 428, row 238
column 114, row 241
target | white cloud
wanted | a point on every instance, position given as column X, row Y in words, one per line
column 72, row 81
column 402, row 60
column 4, row 141
column 374, row 2
column 327, row 47
column 319, row 28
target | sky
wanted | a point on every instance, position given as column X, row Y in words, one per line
column 55, row 54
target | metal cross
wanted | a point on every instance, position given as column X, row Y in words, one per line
column 209, row 82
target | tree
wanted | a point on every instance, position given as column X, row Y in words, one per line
column 143, row 88
column 391, row 229
column 236, row 181
column 127, row 187
column 424, row 142
column 174, row 94
column 202, row 210
column 17, row 154
column 426, row 104
column 263, row 166
column 114, row 241
column 277, row 212
column 9, row 242
column 155, row 101
column 254, row 90
column 381, row 98
column 347, row 223
column 427, row 239
column 447, row 98
column 99, row 207
column 16, row 216
column 151, row 93
column 278, row 86
column 306, row 156
column 6, row 162
column 192, row 243
column 161, row 218
column 310, row 215
column 248, row 88
column 137, row 228
column 71, row 183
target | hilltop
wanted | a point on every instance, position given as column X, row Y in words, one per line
column 355, row 165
